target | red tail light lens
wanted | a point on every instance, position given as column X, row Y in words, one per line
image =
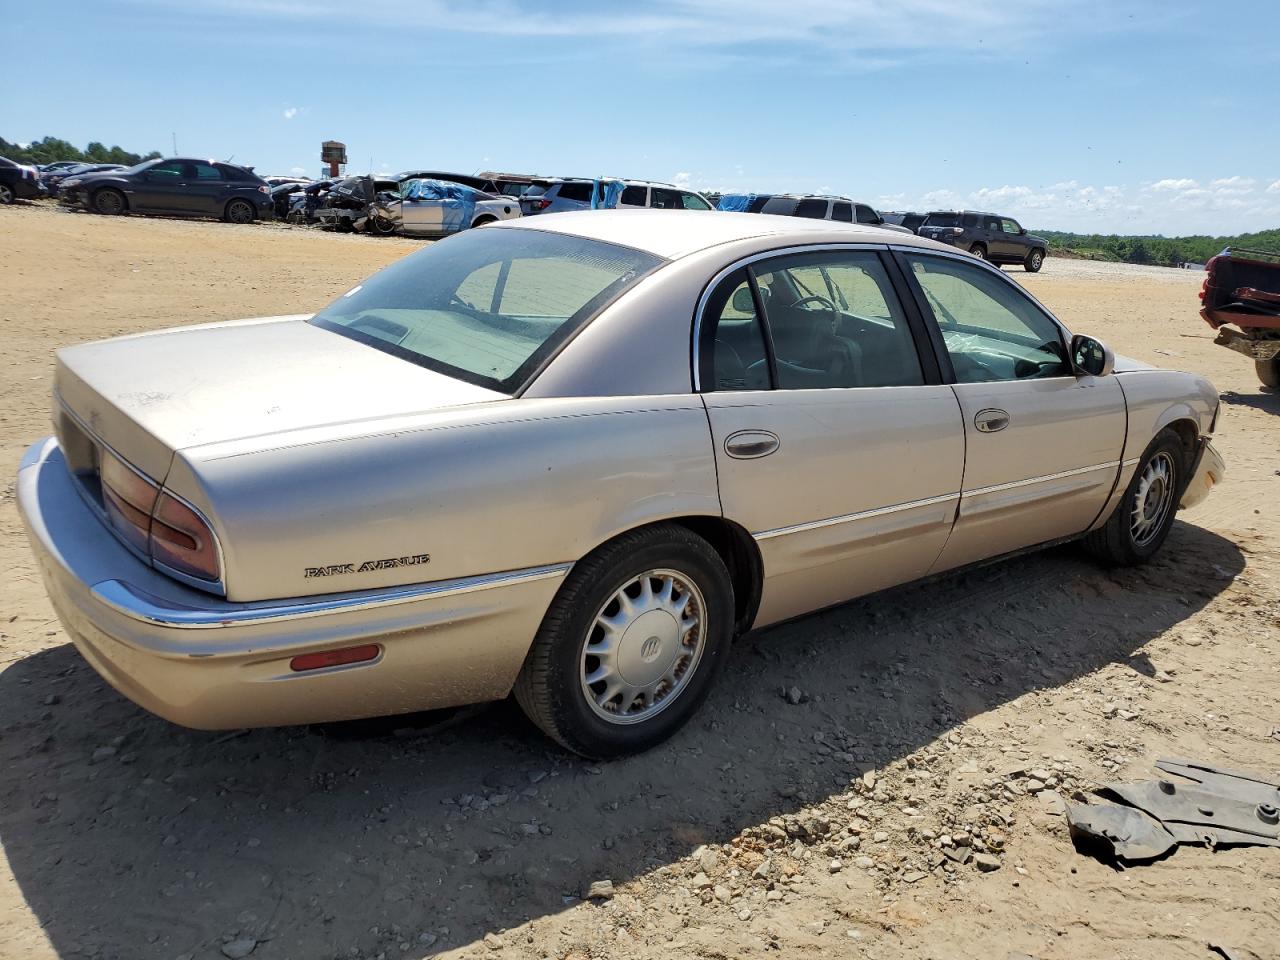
column 543, row 204
column 128, row 498
column 181, row 540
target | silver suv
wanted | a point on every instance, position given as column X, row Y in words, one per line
column 573, row 193
column 813, row 206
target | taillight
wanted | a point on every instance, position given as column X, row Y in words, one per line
column 335, row 658
column 128, row 498
column 543, row 204
column 156, row 523
column 957, row 231
column 181, row 540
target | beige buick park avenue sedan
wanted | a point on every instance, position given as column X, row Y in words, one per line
column 572, row 457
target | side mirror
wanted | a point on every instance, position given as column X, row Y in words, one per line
column 1090, row 357
column 1022, row 231
column 743, row 302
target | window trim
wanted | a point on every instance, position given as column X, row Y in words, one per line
column 900, row 253
column 921, row 333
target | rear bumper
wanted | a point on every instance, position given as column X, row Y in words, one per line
column 1208, row 472
column 204, row 662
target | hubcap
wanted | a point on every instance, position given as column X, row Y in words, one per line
column 977, row 252
column 1035, row 259
column 643, row 646
column 5, row 194
column 1154, row 498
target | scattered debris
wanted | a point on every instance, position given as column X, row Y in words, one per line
column 1214, row 808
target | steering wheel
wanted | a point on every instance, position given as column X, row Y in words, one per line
column 826, row 305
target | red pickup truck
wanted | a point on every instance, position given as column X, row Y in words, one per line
column 1242, row 287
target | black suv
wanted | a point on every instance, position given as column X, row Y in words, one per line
column 177, row 185
column 986, row 236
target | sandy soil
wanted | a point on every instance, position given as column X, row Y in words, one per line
column 811, row 828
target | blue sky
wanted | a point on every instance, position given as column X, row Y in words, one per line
column 1071, row 114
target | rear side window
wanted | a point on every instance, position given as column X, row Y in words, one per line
column 205, row 172
column 576, row 191
column 633, row 196
column 731, row 351
column 842, row 212
column 866, row 214
column 661, row 198
column 970, row 220
column 813, row 209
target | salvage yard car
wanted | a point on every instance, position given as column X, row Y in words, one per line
column 19, row 181
column 177, row 186
column 573, row 457
column 987, row 236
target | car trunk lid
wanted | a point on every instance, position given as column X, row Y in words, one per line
column 151, row 395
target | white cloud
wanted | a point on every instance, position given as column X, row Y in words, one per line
column 1183, row 184
column 1274, row 188
column 290, row 112
column 684, row 180
column 299, row 171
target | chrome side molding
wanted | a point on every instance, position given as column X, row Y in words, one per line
column 139, row 604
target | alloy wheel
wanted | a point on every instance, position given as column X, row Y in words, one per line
column 643, row 646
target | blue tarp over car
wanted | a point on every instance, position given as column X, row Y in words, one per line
column 736, row 202
column 459, row 201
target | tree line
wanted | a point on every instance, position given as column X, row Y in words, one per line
column 1156, row 250
column 50, row 149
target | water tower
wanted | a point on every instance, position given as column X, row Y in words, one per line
column 334, row 153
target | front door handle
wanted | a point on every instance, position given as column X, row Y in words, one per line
column 751, row 444
column 991, row 420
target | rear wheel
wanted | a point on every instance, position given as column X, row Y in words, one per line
column 7, row 196
column 484, row 221
column 239, row 211
column 1268, row 372
column 979, row 251
column 1143, row 517
column 1034, row 261
column 631, row 644
column 109, row 202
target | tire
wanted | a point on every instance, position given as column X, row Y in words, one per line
column 979, row 251
column 1034, row 261
column 485, row 221
column 1268, row 372
column 109, row 202
column 554, row 685
column 380, row 227
column 7, row 196
column 1127, row 539
column 240, row 211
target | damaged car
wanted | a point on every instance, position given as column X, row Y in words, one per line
column 571, row 458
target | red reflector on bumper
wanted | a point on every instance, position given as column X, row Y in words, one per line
column 335, row 658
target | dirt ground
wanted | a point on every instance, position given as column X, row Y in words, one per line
column 803, row 812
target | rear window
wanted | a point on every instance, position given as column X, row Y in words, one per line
column 486, row 306
column 942, row 220
column 576, row 191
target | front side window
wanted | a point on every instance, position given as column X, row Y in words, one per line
column 166, row 171
column 991, row 329
column 487, row 307
column 691, row 201
column 1011, row 226
column 835, row 321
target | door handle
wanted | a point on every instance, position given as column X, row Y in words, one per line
column 751, row 444
column 991, row 420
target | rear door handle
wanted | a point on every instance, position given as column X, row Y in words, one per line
column 991, row 420
column 751, row 444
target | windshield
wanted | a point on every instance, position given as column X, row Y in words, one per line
column 942, row 220
column 486, row 306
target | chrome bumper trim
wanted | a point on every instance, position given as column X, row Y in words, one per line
column 134, row 602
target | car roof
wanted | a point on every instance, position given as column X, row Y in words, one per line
column 626, row 180
column 677, row 233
